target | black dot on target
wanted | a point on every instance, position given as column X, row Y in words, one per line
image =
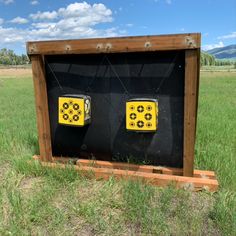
column 132, row 124
column 71, row 112
column 131, row 107
column 149, row 108
column 61, row 111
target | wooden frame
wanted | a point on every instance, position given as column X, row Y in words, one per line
column 190, row 43
column 154, row 175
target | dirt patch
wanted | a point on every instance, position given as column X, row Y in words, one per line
column 28, row 183
column 19, row 72
column 86, row 230
column 3, row 169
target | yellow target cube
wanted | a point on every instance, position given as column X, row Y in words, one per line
column 142, row 115
column 74, row 110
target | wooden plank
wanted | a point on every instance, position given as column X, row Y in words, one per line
column 41, row 103
column 133, row 167
column 190, row 104
column 162, row 180
column 198, row 81
column 144, row 168
column 115, row 45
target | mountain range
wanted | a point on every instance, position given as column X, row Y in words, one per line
column 227, row 52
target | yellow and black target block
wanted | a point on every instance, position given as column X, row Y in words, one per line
column 142, row 115
column 74, row 110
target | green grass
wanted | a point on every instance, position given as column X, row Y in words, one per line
column 226, row 68
column 38, row 201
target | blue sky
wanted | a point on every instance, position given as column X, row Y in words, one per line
column 29, row 20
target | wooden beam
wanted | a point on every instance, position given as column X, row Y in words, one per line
column 116, row 45
column 162, row 180
column 128, row 166
column 144, row 168
column 190, row 109
column 41, row 102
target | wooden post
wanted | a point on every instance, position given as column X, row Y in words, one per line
column 41, row 101
column 190, row 104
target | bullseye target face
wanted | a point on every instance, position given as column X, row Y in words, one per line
column 141, row 115
column 73, row 111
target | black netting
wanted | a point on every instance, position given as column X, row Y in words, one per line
column 110, row 80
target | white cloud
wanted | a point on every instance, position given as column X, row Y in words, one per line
column 86, row 14
column 77, row 20
column 1, row 21
column 34, row 2
column 129, row 25
column 211, row 46
column 11, row 35
column 47, row 15
column 19, row 20
column 228, row 36
column 167, row 1
column 6, row 2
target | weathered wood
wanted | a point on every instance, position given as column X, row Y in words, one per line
column 115, row 45
column 198, row 81
column 128, row 166
column 144, row 168
column 41, row 102
column 190, row 109
column 162, row 180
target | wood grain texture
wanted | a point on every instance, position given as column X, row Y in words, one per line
column 116, row 45
column 127, row 166
column 41, row 103
column 190, row 109
column 162, row 180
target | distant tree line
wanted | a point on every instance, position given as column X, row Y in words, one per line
column 8, row 57
column 210, row 60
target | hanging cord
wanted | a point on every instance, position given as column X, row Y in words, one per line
column 121, row 82
column 88, row 89
column 54, row 75
column 170, row 68
column 114, row 71
column 95, row 75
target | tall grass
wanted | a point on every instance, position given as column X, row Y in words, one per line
column 38, row 201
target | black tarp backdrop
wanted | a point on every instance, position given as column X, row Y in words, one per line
column 110, row 80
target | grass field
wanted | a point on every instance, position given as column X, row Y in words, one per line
column 36, row 201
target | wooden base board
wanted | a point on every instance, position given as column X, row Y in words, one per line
column 155, row 175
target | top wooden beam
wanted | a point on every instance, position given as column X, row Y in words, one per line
column 116, row 45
